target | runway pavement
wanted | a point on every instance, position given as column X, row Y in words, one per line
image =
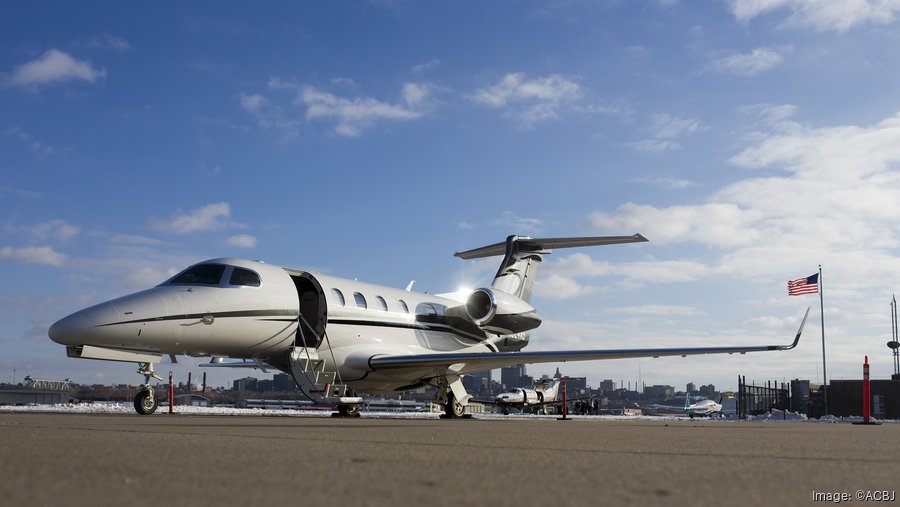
column 96, row 460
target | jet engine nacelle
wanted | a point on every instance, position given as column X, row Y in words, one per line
column 499, row 312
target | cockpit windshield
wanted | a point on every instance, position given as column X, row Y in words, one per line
column 201, row 274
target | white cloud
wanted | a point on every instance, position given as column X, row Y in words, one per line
column 242, row 241
column 713, row 224
column 749, row 64
column 54, row 66
column 427, row 66
column 253, row 103
column 33, row 255
column 821, row 15
column 667, row 183
column 659, row 310
column 561, row 288
column 352, row 116
column 529, row 100
column 665, row 128
column 651, row 146
column 267, row 114
column 207, row 218
column 40, row 148
column 55, row 229
column 835, row 204
column 415, row 94
column 110, row 42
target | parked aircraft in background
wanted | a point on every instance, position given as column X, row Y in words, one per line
column 702, row 408
column 545, row 392
column 337, row 337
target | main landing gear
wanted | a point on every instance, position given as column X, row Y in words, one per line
column 452, row 395
column 145, row 401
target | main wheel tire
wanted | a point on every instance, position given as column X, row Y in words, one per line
column 453, row 409
column 348, row 410
column 145, row 402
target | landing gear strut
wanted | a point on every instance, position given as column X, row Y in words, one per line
column 145, row 401
column 452, row 395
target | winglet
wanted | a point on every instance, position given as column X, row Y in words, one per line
column 799, row 331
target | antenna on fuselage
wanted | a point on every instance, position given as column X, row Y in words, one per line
column 409, row 285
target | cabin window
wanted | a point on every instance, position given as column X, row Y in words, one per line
column 241, row 276
column 403, row 306
column 202, row 274
column 382, row 304
column 338, row 296
column 360, row 300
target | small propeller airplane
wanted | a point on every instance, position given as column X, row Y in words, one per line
column 702, row 408
column 337, row 337
column 545, row 392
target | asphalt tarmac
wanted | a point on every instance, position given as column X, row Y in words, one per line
column 97, row 460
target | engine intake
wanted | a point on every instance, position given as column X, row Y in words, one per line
column 499, row 312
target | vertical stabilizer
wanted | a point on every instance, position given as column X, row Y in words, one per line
column 523, row 254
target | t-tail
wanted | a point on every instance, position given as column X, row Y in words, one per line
column 505, row 307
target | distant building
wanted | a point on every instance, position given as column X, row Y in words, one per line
column 478, row 383
column 659, row 392
column 709, row 390
column 576, row 386
column 691, row 388
column 265, row 385
column 283, row 382
column 245, row 384
column 607, row 386
column 511, row 376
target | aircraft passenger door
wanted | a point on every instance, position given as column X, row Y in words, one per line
column 311, row 327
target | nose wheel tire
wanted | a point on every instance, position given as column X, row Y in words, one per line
column 145, row 402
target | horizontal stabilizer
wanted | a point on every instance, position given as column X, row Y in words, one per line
column 525, row 243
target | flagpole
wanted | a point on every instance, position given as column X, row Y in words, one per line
column 822, row 314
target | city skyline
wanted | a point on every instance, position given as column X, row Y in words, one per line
column 750, row 142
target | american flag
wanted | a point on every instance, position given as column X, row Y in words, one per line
column 800, row 286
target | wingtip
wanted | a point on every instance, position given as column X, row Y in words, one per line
column 799, row 331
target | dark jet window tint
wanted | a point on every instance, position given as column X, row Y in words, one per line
column 360, row 300
column 339, row 296
column 204, row 274
column 244, row 277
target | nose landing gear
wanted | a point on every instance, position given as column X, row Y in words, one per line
column 145, row 401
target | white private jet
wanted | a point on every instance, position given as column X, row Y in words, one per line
column 337, row 337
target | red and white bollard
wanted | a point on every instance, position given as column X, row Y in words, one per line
column 867, row 396
column 171, row 394
column 867, row 392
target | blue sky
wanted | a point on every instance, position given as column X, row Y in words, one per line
column 749, row 141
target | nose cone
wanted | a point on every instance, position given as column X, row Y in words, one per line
column 67, row 330
column 77, row 329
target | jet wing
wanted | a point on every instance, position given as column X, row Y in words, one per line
column 472, row 362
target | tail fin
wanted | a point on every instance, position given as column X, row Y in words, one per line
column 523, row 254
